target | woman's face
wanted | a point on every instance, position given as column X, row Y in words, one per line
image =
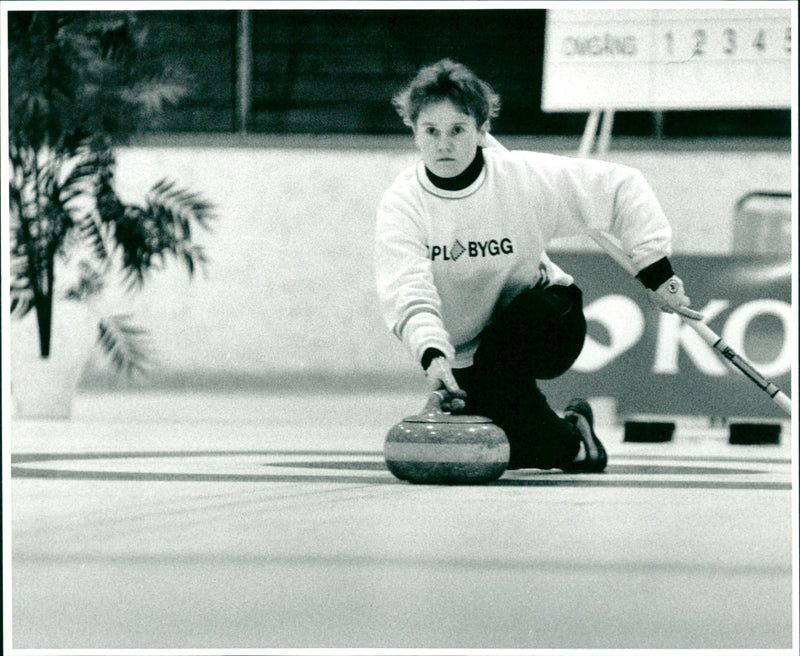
column 447, row 138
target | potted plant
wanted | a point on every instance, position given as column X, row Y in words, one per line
column 80, row 83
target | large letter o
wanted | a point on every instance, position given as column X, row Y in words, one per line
column 736, row 329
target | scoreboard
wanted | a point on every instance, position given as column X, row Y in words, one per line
column 662, row 59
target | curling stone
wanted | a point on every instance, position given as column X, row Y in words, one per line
column 754, row 433
column 439, row 448
column 649, row 431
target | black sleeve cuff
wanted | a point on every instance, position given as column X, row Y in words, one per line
column 429, row 356
column 656, row 274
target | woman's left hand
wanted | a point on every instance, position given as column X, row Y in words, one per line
column 671, row 297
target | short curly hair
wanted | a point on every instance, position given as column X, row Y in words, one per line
column 447, row 79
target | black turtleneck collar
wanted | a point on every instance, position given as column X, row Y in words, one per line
column 463, row 179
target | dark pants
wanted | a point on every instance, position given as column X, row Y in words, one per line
column 537, row 336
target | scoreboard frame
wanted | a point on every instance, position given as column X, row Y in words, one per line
column 668, row 59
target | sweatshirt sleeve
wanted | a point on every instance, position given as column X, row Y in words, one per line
column 409, row 301
column 613, row 199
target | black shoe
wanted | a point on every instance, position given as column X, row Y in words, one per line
column 579, row 413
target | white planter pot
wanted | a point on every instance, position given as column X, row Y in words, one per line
column 45, row 387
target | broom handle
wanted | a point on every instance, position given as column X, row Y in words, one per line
column 706, row 334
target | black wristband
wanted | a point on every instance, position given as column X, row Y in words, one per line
column 656, row 274
column 429, row 356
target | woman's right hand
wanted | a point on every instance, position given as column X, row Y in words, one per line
column 440, row 377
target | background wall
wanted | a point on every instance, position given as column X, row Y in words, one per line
column 333, row 71
column 289, row 294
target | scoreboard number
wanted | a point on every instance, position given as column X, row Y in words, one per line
column 660, row 59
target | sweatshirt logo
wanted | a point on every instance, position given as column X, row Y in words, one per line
column 489, row 248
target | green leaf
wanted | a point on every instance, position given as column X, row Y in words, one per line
column 125, row 344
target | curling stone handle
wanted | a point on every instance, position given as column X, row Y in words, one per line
column 434, row 404
column 455, row 400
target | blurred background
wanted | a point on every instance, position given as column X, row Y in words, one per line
column 288, row 130
column 333, row 72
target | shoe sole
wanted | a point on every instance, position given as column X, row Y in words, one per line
column 596, row 457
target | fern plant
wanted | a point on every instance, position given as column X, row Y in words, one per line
column 80, row 82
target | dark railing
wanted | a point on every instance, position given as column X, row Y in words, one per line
column 334, row 71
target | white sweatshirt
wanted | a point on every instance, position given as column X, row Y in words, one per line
column 444, row 260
